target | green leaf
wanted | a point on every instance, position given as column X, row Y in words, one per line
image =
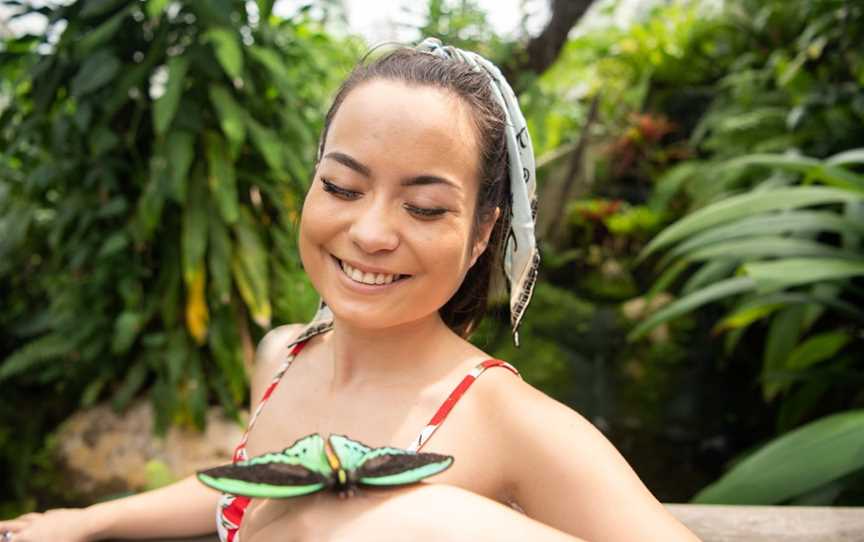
column 712, row 271
column 134, row 381
column 227, row 352
column 180, row 147
column 686, row 304
column 250, row 269
column 44, row 349
column 156, row 7
column 265, row 7
column 745, row 316
column 771, row 224
column 815, row 169
column 101, row 34
column 274, row 65
column 817, row 348
column 221, row 176
column 115, row 243
column 268, row 145
column 219, row 259
column 95, row 73
column 165, row 107
column 852, row 156
column 785, row 273
column 150, row 204
column 94, row 8
column 793, row 464
column 745, row 205
column 231, row 116
column 767, row 247
column 228, row 50
column 783, row 333
column 127, row 326
column 194, row 232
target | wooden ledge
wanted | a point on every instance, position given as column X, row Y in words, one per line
column 718, row 523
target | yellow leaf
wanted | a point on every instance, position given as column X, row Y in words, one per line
column 197, row 315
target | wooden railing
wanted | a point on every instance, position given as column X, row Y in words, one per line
column 751, row 523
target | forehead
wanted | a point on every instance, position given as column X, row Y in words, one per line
column 394, row 127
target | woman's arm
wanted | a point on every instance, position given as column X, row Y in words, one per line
column 565, row 473
column 420, row 513
column 185, row 508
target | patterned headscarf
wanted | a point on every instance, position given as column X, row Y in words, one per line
column 521, row 256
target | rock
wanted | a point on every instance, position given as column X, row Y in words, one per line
column 103, row 453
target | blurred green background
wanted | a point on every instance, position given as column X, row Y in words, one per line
column 701, row 177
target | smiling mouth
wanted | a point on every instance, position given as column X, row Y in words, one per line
column 372, row 279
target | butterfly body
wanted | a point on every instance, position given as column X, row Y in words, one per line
column 314, row 464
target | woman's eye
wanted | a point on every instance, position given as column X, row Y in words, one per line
column 425, row 212
column 338, row 191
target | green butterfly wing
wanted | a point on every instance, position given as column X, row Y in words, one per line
column 300, row 469
column 349, row 451
column 395, row 466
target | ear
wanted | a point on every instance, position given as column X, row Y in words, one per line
column 485, row 232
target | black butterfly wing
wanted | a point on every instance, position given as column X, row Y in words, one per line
column 394, row 466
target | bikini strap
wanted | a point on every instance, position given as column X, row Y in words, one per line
column 454, row 396
column 295, row 347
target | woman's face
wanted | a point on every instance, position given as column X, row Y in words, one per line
column 385, row 233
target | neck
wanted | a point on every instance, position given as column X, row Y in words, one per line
column 398, row 355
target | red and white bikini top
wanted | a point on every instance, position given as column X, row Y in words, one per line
column 231, row 508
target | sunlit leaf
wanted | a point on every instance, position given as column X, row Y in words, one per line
column 156, row 7
column 788, row 272
column 745, row 205
column 719, row 290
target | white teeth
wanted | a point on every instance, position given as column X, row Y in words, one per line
column 366, row 278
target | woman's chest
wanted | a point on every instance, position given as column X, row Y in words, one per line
column 386, row 418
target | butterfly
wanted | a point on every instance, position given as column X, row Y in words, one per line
column 314, row 464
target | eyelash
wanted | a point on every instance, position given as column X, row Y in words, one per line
column 339, row 192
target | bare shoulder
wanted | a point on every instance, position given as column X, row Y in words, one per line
column 518, row 408
column 271, row 352
column 562, row 471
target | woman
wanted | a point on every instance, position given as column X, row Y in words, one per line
column 424, row 183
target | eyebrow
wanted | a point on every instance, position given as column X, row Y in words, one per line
column 418, row 180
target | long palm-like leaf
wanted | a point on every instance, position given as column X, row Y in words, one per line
column 793, row 464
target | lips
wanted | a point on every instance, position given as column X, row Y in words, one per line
column 368, row 277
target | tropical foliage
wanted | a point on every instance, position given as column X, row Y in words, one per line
column 701, row 176
column 154, row 159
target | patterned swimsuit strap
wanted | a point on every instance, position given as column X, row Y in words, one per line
column 453, row 398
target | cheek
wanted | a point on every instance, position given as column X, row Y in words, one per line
column 314, row 226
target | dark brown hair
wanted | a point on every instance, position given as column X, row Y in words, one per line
column 464, row 311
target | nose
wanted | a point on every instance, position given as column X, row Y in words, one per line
column 373, row 229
